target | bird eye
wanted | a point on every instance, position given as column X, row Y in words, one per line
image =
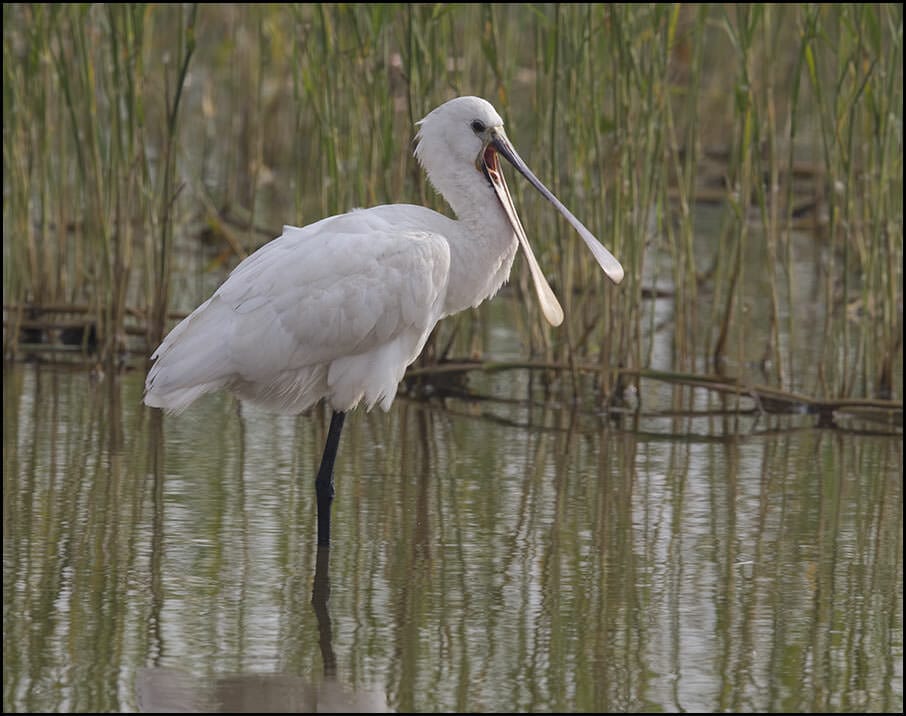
column 478, row 127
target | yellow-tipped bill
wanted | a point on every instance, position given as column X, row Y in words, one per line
column 550, row 306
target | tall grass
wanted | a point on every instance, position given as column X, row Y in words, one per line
column 126, row 128
column 82, row 161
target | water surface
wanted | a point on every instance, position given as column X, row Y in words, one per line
column 487, row 555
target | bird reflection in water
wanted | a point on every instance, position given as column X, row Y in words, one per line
column 176, row 691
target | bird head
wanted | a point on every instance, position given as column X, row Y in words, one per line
column 469, row 130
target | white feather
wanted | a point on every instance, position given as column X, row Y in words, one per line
column 338, row 309
column 335, row 310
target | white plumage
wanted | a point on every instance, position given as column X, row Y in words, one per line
column 338, row 309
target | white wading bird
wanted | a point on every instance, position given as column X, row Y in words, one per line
column 337, row 310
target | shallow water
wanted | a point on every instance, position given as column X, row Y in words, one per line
column 486, row 556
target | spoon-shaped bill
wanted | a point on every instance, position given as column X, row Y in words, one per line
column 605, row 259
column 550, row 306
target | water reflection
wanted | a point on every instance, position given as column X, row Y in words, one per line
column 486, row 556
column 167, row 690
column 173, row 691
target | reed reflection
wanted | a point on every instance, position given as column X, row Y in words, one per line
column 492, row 556
column 173, row 690
column 163, row 690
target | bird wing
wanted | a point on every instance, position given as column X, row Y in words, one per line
column 345, row 287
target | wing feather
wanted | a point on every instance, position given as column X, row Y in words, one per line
column 362, row 290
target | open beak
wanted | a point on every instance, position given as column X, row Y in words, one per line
column 487, row 160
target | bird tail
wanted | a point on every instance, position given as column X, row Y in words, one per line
column 190, row 362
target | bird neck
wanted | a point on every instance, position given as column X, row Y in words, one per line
column 483, row 246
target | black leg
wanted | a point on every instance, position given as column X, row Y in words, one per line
column 320, row 593
column 324, row 481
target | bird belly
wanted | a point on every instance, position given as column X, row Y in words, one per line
column 372, row 376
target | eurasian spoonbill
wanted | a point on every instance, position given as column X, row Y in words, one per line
column 338, row 309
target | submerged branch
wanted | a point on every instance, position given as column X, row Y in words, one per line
column 767, row 398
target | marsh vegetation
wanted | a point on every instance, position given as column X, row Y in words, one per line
column 715, row 149
column 686, row 497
